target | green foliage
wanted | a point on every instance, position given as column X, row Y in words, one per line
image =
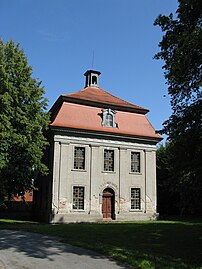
column 22, row 121
column 168, row 198
column 182, row 54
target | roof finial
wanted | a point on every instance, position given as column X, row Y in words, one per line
column 93, row 59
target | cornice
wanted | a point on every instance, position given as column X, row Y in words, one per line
column 104, row 135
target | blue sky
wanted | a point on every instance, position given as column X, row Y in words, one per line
column 60, row 38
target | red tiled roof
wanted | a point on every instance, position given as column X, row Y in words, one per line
column 71, row 115
column 99, row 96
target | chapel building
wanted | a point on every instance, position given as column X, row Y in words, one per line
column 101, row 159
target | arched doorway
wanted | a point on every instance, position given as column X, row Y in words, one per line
column 108, row 204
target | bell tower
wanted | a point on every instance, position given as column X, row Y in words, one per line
column 92, row 78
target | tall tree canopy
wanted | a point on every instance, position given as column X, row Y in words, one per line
column 181, row 52
column 23, row 118
column 168, row 197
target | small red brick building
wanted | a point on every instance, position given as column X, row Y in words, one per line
column 28, row 197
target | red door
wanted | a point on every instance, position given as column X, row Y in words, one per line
column 107, row 206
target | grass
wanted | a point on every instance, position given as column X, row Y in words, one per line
column 144, row 245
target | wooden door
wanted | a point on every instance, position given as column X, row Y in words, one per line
column 107, row 206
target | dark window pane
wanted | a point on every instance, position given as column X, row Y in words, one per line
column 109, row 120
column 108, row 160
column 79, row 158
column 135, row 162
column 94, row 80
column 78, row 198
column 135, row 198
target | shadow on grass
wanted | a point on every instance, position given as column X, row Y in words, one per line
column 156, row 244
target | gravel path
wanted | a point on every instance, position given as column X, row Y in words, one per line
column 20, row 250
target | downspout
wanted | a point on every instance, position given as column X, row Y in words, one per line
column 145, row 171
column 59, row 174
column 119, row 179
column 91, row 159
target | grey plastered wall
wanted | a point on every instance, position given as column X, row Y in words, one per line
column 95, row 180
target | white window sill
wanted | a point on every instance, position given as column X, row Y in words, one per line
column 79, row 170
column 78, row 211
column 110, row 172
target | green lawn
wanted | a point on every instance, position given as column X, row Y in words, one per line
column 145, row 245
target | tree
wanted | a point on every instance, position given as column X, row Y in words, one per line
column 182, row 54
column 167, row 197
column 23, row 118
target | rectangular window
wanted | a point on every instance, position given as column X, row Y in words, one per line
column 78, row 198
column 108, row 160
column 135, row 162
column 79, row 158
column 135, row 198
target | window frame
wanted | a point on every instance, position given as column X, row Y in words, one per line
column 105, row 121
column 134, row 162
column 106, row 162
column 78, row 199
column 135, row 199
column 76, row 158
column 94, row 80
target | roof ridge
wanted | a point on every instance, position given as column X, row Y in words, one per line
column 122, row 99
